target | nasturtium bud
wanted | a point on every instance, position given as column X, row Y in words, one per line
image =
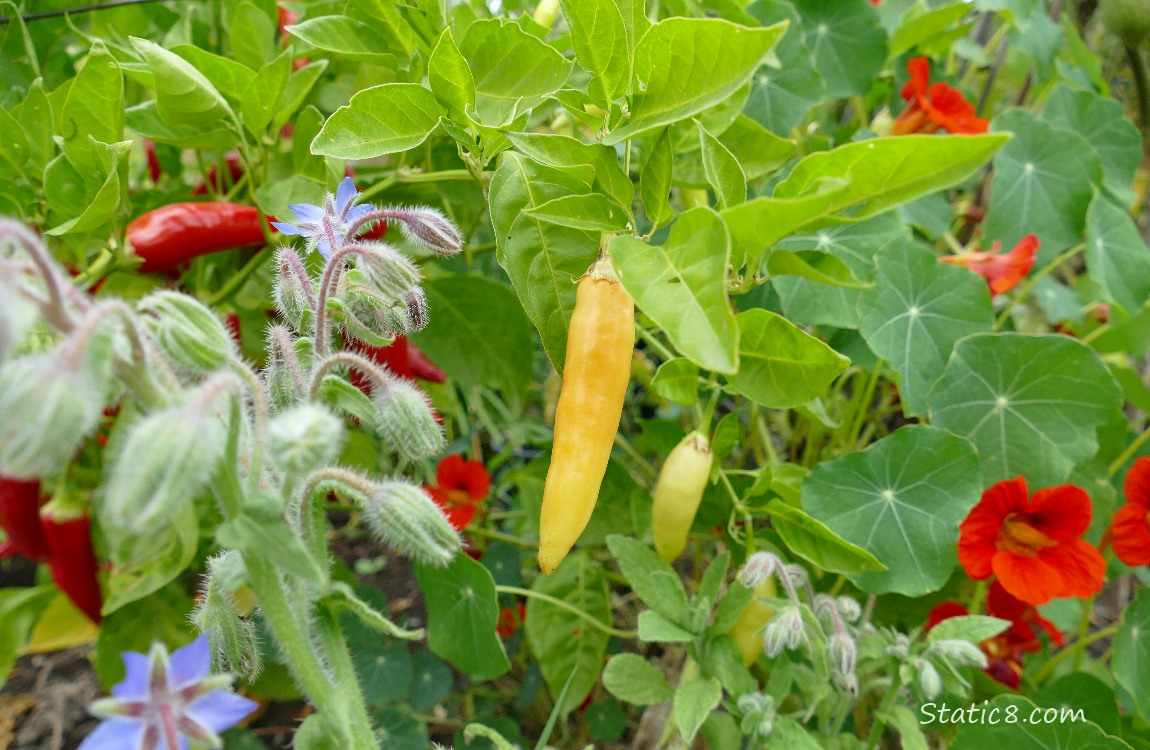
column 405, row 418
column 188, row 332
column 404, row 516
column 304, row 438
column 166, row 459
column 292, row 298
column 50, row 405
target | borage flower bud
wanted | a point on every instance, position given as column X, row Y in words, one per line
column 757, row 569
column 960, row 653
column 166, row 459
column 416, row 305
column 187, row 331
column 430, row 229
column 758, row 711
column 928, row 679
column 304, row 438
column 233, row 639
column 849, row 609
column 793, row 622
column 16, row 315
column 388, row 270
column 283, row 373
column 843, row 652
column 50, row 405
column 404, row 516
column 293, row 293
column 406, row 419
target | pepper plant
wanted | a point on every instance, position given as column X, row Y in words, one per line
column 762, row 373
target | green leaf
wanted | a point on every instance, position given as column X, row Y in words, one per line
column 902, row 500
column 270, row 537
column 562, row 641
column 379, row 120
column 1116, row 254
column 653, row 580
column 513, row 70
column 1131, row 660
column 631, row 678
column 929, row 29
column 346, row 37
column 462, row 611
column 685, row 65
column 873, row 175
column 788, row 734
column 145, row 120
column 35, row 114
column 655, row 181
column 593, row 212
column 655, row 628
column 917, row 311
column 161, row 617
column 973, row 628
column 252, row 35
column 681, row 285
column 134, row 579
column 907, row 723
column 543, row 260
column 810, row 303
column 478, row 333
column 593, row 164
column 782, row 95
column 1043, row 183
column 816, row 266
column 1079, row 690
column 183, row 95
column 383, row 671
column 259, row 101
column 19, row 609
column 13, row 146
column 296, row 91
column 678, row 380
column 1030, row 729
column 1101, row 121
column 848, row 46
column 811, row 540
column 450, row 77
column 1029, row 403
column 722, row 170
column 94, row 108
column 274, row 197
column 694, row 701
column 782, row 366
column 758, row 151
column 227, row 76
column 98, row 199
column 599, row 37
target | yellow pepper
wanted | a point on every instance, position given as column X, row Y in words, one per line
column 747, row 631
column 600, row 341
column 678, row 493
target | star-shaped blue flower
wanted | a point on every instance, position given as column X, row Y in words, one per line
column 338, row 210
column 168, row 703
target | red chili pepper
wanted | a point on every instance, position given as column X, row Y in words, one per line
column 235, row 172
column 72, row 558
column 20, row 519
column 174, row 234
column 154, row 168
column 422, row 367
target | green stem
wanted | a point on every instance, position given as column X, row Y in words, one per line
column 1076, row 647
column 334, row 646
column 876, row 728
column 654, row 343
column 635, row 455
column 1083, row 628
column 589, row 618
column 499, row 536
column 1024, row 290
column 859, row 403
column 237, row 280
column 1127, row 454
column 1141, row 86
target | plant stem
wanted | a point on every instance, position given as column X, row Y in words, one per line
column 1127, row 454
column 876, row 728
column 1024, row 290
column 590, row 619
column 238, row 279
column 1141, row 87
column 1076, row 647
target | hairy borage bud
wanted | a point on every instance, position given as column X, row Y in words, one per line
column 284, row 373
column 187, row 331
column 928, row 679
column 49, row 406
column 304, row 438
column 406, row 420
column 430, row 229
column 757, row 569
column 388, row 270
column 233, row 639
column 16, row 315
column 404, row 516
column 416, row 305
column 292, row 291
column 843, row 653
column 960, row 653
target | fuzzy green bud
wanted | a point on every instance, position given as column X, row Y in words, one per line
column 368, row 314
column 167, row 458
column 758, row 710
column 284, row 373
column 232, row 637
column 188, row 332
column 388, row 270
column 431, row 230
column 404, row 417
column 929, row 679
column 304, row 438
column 16, row 315
column 960, row 653
column 404, row 516
column 843, row 653
column 415, row 304
column 50, row 405
column 293, row 291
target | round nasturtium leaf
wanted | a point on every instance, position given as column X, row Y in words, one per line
column 901, row 499
column 1029, row 403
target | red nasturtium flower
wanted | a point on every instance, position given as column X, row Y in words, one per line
column 1003, row 651
column 509, row 620
column 1032, row 544
column 1130, row 527
column 460, row 486
column 1002, row 271
column 939, row 107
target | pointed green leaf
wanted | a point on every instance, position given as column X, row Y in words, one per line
column 652, row 579
column 94, row 108
column 678, row 380
column 811, row 540
column 901, row 499
column 346, row 37
column 593, row 212
column 259, row 101
column 1132, row 652
column 693, row 703
column 631, row 678
column 682, row 286
column 229, row 77
column 655, row 181
column 1029, row 403
column 685, row 65
column 973, row 628
column 599, row 37
column 782, row 366
column 450, row 77
column 1116, row 254
column 814, row 265
column 379, row 120
column 511, row 68
column 919, row 308
column 595, row 164
column 722, row 170
column 183, row 94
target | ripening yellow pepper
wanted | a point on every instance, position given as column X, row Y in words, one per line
column 747, row 631
column 678, row 493
column 600, row 341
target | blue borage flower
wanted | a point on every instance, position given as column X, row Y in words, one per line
column 168, row 702
column 339, row 211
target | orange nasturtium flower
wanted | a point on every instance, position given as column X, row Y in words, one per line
column 1032, row 544
column 1002, row 271
column 1003, row 651
column 939, row 107
column 1130, row 528
column 460, row 486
